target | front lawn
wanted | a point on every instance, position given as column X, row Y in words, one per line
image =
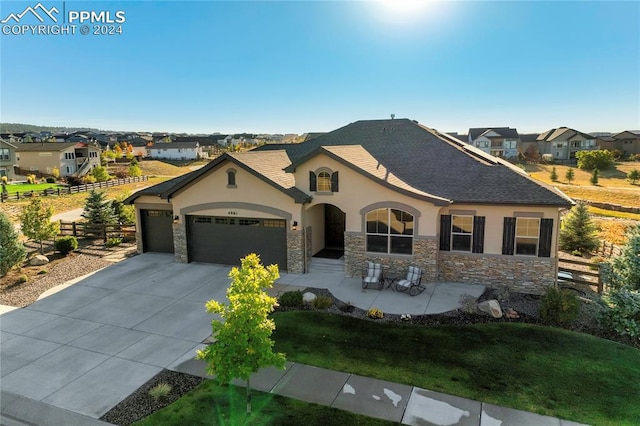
column 545, row 370
column 26, row 187
column 210, row 404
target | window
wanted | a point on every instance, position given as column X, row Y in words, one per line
column 4, row 153
column 273, row 223
column 461, row 233
column 575, row 144
column 510, row 144
column 69, row 155
column 201, row 219
column 482, row 144
column 323, row 181
column 249, row 222
column 527, row 236
column 231, row 178
column 527, row 232
column 224, row 221
column 389, row 231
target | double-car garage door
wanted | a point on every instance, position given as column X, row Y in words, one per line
column 226, row 240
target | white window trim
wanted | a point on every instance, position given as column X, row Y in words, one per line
column 516, row 236
column 462, row 233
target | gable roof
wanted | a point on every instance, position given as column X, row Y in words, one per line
column 269, row 167
column 627, row 134
column 398, row 153
column 565, row 132
column 51, row 146
column 174, row 145
column 505, row 132
column 6, row 142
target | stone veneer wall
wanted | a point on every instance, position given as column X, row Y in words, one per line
column 309, row 245
column 180, row 242
column 295, row 252
column 425, row 254
column 524, row 274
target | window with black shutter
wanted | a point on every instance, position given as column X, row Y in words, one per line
column 478, row 234
column 445, row 232
column 312, row 181
column 546, row 234
column 508, row 235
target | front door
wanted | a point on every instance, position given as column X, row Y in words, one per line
column 334, row 222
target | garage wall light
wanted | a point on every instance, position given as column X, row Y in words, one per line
column 176, row 219
column 294, row 225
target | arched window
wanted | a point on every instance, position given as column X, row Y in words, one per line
column 324, row 182
column 389, row 231
column 231, row 178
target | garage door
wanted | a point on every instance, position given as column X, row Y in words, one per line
column 226, row 240
column 157, row 231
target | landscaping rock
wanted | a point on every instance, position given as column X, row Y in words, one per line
column 511, row 314
column 39, row 260
column 491, row 307
column 308, row 297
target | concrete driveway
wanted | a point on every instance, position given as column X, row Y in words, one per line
column 90, row 345
column 87, row 347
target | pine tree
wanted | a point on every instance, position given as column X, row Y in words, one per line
column 243, row 335
column 36, row 222
column 554, row 174
column 577, row 231
column 12, row 252
column 634, row 176
column 594, row 177
column 625, row 268
column 570, row 175
column 97, row 209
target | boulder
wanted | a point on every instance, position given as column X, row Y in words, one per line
column 491, row 307
column 38, row 260
column 308, row 297
column 511, row 314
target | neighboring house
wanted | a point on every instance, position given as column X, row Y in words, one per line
column 563, row 143
column 528, row 144
column 498, row 141
column 390, row 191
column 7, row 159
column 71, row 158
column 629, row 141
column 175, row 151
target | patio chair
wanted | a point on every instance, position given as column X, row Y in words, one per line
column 372, row 276
column 412, row 284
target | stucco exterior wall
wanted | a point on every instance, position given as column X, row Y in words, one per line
column 357, row 191
column 246, row 199
column 314, row 218
column 494, row 221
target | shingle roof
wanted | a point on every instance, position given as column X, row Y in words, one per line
column 506, row 132
column 433, row 163
column 268, row 166
column 397, row 153
column 529, row 137
column 49, row 146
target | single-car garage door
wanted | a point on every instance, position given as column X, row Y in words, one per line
column 226, row 240
column 157, row 231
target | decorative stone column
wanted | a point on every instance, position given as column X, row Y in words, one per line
column 180, row 242
column 295, row 252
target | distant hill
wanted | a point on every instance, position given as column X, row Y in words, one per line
column 24, row 128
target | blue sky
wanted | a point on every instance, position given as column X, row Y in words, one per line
column 298, row 66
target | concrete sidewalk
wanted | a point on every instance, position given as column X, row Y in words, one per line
column 82, row 350
column 395, row 402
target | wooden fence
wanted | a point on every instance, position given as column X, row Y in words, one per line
column 14, row 196
column 608, row 250
column 95, row 230
column 595, row 275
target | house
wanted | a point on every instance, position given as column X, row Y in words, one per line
column 175, row 151
column 390, row 191
column 498, row 141
column 7, row 159
column 70, row 158
column 528, row 146
column 629, row 141
column 563, row 143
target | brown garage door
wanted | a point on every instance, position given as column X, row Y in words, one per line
column 157, row 231
column 226, row 240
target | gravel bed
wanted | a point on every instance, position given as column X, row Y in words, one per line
column 27, row 293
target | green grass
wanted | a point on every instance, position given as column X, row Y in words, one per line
column 25, row 187
column 545, row 370
column 211, row 404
